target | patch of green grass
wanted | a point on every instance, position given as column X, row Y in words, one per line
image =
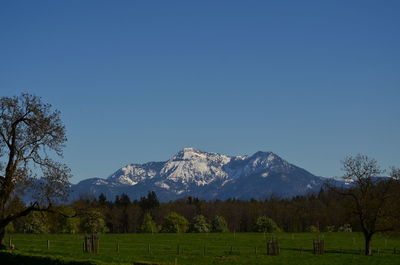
column 206, row 249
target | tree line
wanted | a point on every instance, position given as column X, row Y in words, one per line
column 327, row 211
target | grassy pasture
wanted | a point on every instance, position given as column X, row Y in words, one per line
column 228, row 248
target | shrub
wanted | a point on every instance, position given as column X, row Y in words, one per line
column 70, row 226
column 174, row 223
column 10, row 228
column 35, row 223
column 266, row 224
column 330, row 228
column 345, row 228
column 93, row 222
column 63, row 223
column 199, row 224
column 219, row 225
column 313, row 229
column 148, row 225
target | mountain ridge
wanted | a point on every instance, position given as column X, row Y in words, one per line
column 206, row 175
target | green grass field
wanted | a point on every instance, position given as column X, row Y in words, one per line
column 229, row 248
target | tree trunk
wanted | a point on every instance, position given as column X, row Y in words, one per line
column 2, row 235
column 368, row 244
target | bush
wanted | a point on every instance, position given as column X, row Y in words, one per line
column 266, row 224
column 219, row 225
column 148, row 225
column 64, row 224
column 35, row 223
column 174, row 223
column 345, row 228
column 93, row 222
column 330, row 228
column 313, row 229
column 70, row 226
column 199, row 224
column 10, row 228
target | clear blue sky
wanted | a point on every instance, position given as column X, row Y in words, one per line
column 136, row 81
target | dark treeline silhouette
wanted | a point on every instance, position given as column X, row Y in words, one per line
column 325, row 211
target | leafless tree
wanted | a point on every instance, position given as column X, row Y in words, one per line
column 31, row 136
column 372, row 198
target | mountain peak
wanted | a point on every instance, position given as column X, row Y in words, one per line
column 188, row 153
column 187, row 150
column 268, row 155
column 190, row 149
column 209, row 175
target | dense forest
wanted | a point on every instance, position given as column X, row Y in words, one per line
column 326, row 211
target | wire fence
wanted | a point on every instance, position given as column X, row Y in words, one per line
column 115, row 247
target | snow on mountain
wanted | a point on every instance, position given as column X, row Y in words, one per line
column 206, row 175
column 133, row 174
column 193, row 166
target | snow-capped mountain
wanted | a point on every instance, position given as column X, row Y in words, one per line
column 206, row 175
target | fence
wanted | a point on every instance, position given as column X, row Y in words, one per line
column 273, row 247
column 91, row 244
column 174, row 248
column 318, row 246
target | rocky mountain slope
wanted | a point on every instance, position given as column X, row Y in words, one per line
column 206, row 175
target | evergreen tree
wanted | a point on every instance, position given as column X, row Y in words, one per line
column 102, row 199
column 150, row 202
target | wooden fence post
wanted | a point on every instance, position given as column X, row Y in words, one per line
column 95, row 243
column 91, row 244
column 48, row 244
column 273, row 247
column 318, row 246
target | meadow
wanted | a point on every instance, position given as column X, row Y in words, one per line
column 213, row 248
